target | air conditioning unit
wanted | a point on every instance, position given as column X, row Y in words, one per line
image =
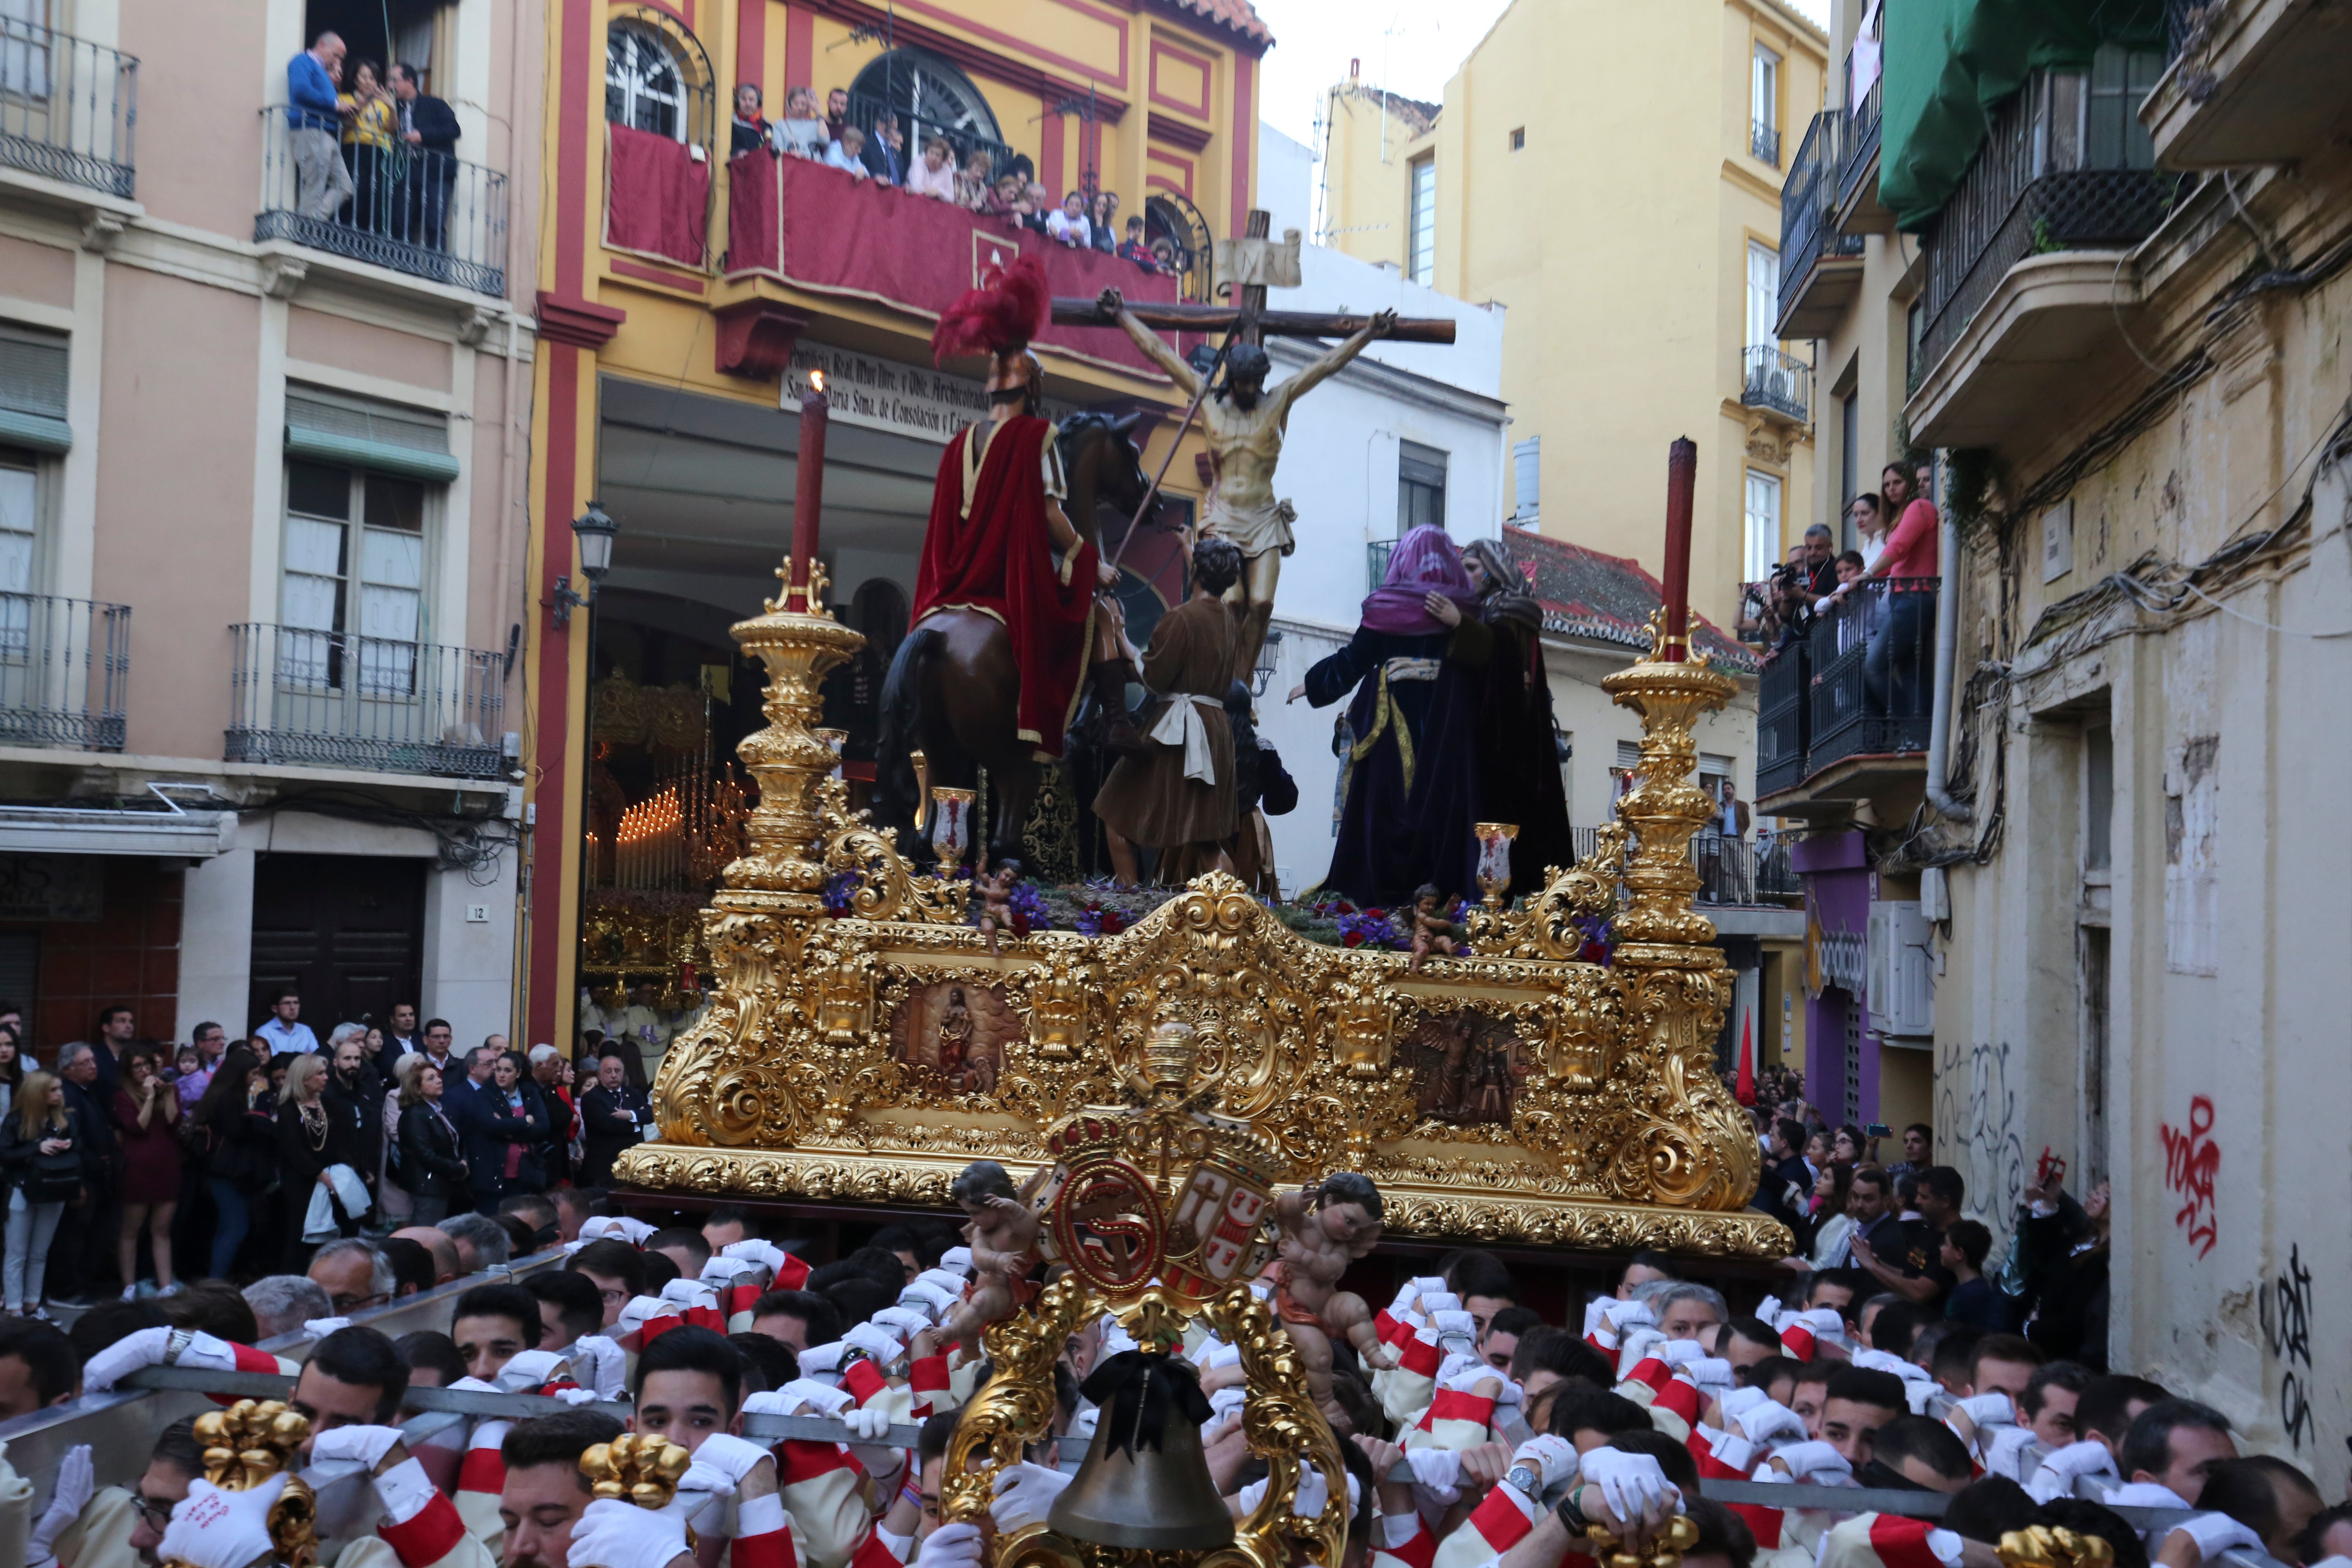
column 1900, row 975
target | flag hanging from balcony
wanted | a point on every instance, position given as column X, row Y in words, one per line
column 656, row 196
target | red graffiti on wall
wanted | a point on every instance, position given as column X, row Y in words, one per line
column 2190, row 1158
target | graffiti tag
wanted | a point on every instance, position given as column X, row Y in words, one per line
column 2285, row 1305
column 2190, row 1159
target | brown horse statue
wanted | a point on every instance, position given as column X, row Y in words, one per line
column 952, row 690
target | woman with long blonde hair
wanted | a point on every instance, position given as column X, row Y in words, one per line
column 42, row 1150
column 305, row 1152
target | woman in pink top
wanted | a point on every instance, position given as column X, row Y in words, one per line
column 1895, row 673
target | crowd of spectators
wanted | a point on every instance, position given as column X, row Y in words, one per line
column 1472, row 1430
column 936, row 163
column 1895, row 530
column 370, row 149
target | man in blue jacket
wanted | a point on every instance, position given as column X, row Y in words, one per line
column 314, row 122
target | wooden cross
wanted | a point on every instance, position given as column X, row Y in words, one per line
column 1254, row 262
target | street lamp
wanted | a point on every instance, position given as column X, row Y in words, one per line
column 1268, row 652
column 595, row 530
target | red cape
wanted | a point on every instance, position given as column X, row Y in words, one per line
column 999, row 560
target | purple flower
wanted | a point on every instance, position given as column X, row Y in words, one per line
column 837, row 890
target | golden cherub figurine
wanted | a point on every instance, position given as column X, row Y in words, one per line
column 644, row 1469
column 1679, row 1536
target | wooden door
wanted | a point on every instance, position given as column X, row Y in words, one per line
column 348, row 929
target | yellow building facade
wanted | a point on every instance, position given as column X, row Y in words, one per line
column 1615, row 181
column 685, row 294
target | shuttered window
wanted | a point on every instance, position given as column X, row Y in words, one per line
column 33, row 390
column 385, row 437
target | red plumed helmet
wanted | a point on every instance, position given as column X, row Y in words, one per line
column 1000, row 316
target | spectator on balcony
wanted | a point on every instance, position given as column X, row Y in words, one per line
column 1848, row 569
column 800, row 134
column 934, row 174
column 368, row 120
column 1068, row 224
column 1008, row 197
column 886, row 151
column 1820, row 560
column 1891, row 676
column 1869, row 515
column 836, row 114
column 976, row 181
column 1132, row 247
column 314, row 118
column 428, row 126
column 1102, row 222
column 750, row 128
column 848, row 153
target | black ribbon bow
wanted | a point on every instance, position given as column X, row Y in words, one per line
column 1140, row 1394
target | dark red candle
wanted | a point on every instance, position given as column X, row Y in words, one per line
column 1682, row 481
column 808, row 493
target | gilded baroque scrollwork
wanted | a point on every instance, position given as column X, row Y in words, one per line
column 1582, row 1110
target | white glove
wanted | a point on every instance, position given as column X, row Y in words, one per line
column 1679, row 1353
column 216, row 1528
column 530, row 1370
column 821, row 1399
column 688, row 1293
column 361, row 1445
column 1437, row 1472
column 822, row 1359
column 1813, row 1461
column 1406, row 1295
column 1223, row 1403
column 1740, row 1399
column 1552, row 1458
column 1215, row 1354
column 1766, row 1309
column 958, row 1259
column 866, row 1424
column 766, row 1254
column 723, row 1270
column 615, row 1534
column 1623, row 1315
column 904, row 1321
column 319, row 1328
column 953, row 1545
column 617, row 1227
column 77, row 1479
column 702, row 1482
column 736, row 1457
column 1989, row 1409
column 951, row 1281
column 640, row 1311
column 2054, row 1477
column 604, row 1361
column 1827, row 1324
column 146, row 1348
column 2215, row 1533
column 1025, row 1494
column 1630, row 1484
column 1455, row 1363
column 1440, row 1301
column 1635, row 1348
column 2005, row 1452
column 877, row 1342
column 1456, row 1325
column 1428, row 1284
column 575, row 1395
column 932, row 1301
column 1765, row 1420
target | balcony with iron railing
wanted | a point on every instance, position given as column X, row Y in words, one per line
column 421, row 212
column 324, row 699
column 1846, row 709
column 68, row 107
column 1821, row 265
column 2039, row 221
column 1764, row 143
column 2250, row 82
column 1783, row 716
column 64, row 672
column 1775, row 382
column 1858, row 209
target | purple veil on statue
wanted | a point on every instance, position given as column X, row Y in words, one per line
column 1425, row 561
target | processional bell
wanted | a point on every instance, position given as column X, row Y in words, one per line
column 1145, row 1482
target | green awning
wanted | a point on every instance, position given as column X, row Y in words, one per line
column 382, row 456
column 1949, row 63
column 364, row 433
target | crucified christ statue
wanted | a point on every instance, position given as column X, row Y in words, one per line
column 1243, row 423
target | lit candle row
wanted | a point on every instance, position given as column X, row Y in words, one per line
column 649, row 848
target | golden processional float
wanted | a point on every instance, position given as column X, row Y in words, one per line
column 1159, row 1086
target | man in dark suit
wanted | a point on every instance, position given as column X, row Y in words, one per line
column 429, row 127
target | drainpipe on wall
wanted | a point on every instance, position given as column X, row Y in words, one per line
column 1948, row 638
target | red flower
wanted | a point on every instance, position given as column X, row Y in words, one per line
column 1112, row 923
column 1345, row 907
column 1020, row 923
column 1352, row 938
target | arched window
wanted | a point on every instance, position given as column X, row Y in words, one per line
column 931, row 96
column 643, row 87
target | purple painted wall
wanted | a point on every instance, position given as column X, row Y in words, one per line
column 1838, row 883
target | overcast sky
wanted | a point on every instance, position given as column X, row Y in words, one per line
column 1411, row 48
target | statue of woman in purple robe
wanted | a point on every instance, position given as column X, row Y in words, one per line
column 1410, row 771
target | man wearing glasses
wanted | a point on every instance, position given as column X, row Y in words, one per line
column 179, row 1459
column 355, row 1275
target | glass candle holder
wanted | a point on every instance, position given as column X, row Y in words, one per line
column 952, row 824
column 1494, row 858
